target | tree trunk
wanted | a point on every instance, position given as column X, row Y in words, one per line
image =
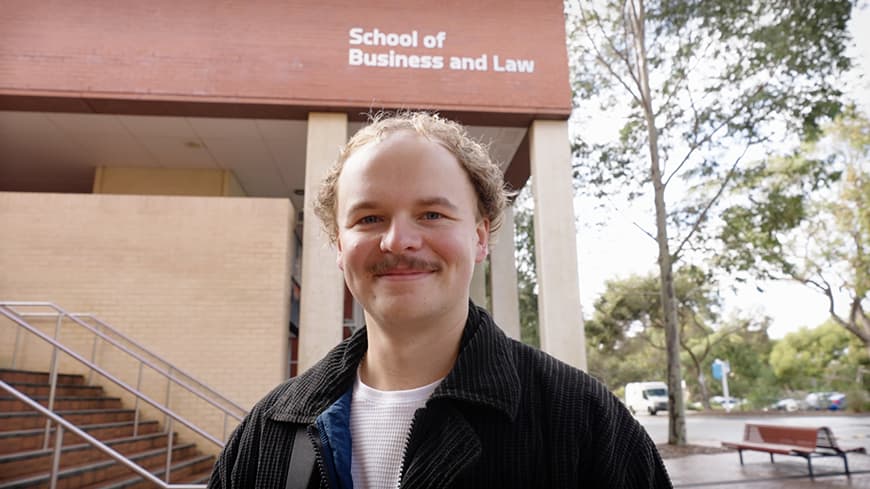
column 705, row 395
column 676, row 413
column 676, row 410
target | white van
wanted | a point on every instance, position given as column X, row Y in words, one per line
column 651, row 397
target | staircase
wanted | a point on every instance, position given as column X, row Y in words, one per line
column 25, row 464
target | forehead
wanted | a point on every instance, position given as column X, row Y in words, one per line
column 401, row 164
column 403, row 152
column 401, row 141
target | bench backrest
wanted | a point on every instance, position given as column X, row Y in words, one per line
column 786, row 435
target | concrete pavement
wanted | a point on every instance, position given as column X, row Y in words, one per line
column 724, row 470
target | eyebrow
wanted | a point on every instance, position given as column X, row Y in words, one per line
column 430, row 201
column 438, row 201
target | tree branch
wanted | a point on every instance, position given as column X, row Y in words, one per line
column 712, row 201
column 600, row 57
column 684, row 76
column 644, row 231
column 709, row 136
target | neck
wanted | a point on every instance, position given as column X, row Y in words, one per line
column 405, row 356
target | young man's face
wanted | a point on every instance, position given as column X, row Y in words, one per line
column 408, row 231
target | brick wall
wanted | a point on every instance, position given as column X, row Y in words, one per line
column 203, row 281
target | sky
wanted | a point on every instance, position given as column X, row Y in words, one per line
column 619, row 249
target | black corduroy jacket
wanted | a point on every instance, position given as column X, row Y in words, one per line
column 507, row 415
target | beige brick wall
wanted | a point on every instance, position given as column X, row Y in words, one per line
column 167, row 181
column 203, row 281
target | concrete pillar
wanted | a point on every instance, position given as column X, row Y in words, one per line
column 478, row 285
column 560, row 317
column 503, row 272
column 322, row 296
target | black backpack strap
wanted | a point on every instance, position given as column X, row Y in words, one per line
column 301, row 460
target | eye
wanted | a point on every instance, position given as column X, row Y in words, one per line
column 369, row 220
column 432, row 215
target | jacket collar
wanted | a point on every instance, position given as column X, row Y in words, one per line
column 484, row 374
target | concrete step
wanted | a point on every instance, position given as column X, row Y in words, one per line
column 24, row 463
column 21, row 464
column 18, row 420
column 104, row 470
column 31, row 377
column 62, row 403
column 65, row 390
column 196, row 470
column 32, row 439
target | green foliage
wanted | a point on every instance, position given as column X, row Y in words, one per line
column 806, row 217
column 699, row 79
column 722, row 74
column 634, row 360
column 625, row 337
column 524, row 241
column 820, row 359
column 746, row 347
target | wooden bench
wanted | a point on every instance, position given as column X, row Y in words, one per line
column 792, row 440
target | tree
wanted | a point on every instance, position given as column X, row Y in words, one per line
column 747, row 348
column 806, row 218
column 527, row 283
column 704, row 81
column 626, row 339
column 824, row 358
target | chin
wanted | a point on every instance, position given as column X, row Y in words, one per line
column 402, row 308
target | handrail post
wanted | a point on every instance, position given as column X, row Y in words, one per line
column 55, row 461
column 168, row 451
column 52, row 389
column 136, row 407
column 17, row 347
column 93, row 356
column 168, row 391
column 169, row 420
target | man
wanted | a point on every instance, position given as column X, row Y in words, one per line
column 430, row 393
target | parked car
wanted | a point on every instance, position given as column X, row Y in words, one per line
column 731, row 402
column 788, row 404
column 832, row 401
column 817, row 400
column 837, row 401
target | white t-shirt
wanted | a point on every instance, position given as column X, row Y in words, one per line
column 380, row 423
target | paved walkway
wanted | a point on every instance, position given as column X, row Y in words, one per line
column 724, row 470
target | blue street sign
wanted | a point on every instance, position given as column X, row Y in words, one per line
column 717, row 369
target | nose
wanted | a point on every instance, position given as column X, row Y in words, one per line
column 402, row 235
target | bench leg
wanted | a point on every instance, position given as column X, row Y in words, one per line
column 846, row 463
column 771, row 457
column 810, row 465
column 740, row 453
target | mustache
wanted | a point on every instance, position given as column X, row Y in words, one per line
column 404, row 262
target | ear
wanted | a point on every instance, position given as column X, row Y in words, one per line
column 338, row 254
column 482, row 245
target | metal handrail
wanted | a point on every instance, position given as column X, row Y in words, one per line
column 175, row 369
column 60, row 313
column 170, row 415
column 168, row 374
column 116, row 332
column 64, row 424
column 121, row 335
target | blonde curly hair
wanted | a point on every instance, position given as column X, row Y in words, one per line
column 486, row 177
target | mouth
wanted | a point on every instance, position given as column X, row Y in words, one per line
column 404, row 274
